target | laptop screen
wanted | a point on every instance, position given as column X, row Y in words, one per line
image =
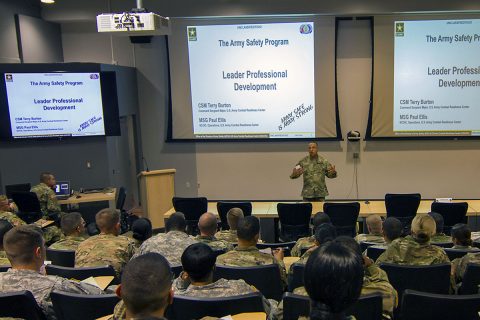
column 62, row 188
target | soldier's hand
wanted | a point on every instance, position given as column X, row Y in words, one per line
column 367, row 261
column 297, row 171
column 278, row 254
column 331, row 170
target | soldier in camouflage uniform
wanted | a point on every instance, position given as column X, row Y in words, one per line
column 46, row 196
column 27, row 261
column 459, row 265
column 308, row 242
column 207, row 224
column 107, row 248
column 233, row 216
column 246, row 254
column 314, row 169
column 375, row 231
column 170, row 244
column 73, row 226
column 5, row 226
column 415, row 249
column 439, row 236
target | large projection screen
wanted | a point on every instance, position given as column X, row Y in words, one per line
column 253, row 78
column 426, row 77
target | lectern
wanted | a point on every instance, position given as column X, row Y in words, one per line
column 157, row 189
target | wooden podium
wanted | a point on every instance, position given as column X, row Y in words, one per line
column 157, row 189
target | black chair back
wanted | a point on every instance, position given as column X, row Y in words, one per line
column 195, row 308
column 374, row 252
column 21, row 305
column 442, row 244
column 403, row 206
column 73, row 306
column 223, row 207
column 294, row 220
column 457, row 253
column 121, row 196
column 432, row 278
column 343, row 216
column 295, row 278
column 364, row 245
column 286, row 246
column 452, row 213
column 471, row 280
column 176, row 270
column 81, row 273
column 4, row 268
column 28, row 206
column 420, row 306
column 266, row 278
column 63, row 258
column 192, row 208
column 12, row 188
column 368, row 307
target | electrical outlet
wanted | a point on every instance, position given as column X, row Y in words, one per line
column 89, row 165
column 356, row 155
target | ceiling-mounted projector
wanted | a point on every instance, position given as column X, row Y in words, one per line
column 133, row 24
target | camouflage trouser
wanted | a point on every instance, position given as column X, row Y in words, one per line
column 52, row 234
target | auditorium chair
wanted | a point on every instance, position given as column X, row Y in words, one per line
column 192, row 208
column 20, row 305
column 458, row 253
column 418, row 305
column 28, row 206
column 343, row 216
column 403, row 206
column 295, row 277
column 12, row 188
column 286, row 246
column 81, row 273
column 63, row 258
column 74, row 306
column 374, row 252
column 184, row 307
column 4, row 268
column 471, row 280
column 294, row 220
column 224, row 206
column 452, row 213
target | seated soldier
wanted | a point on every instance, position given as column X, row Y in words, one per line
column 107, row 248
column 246, row 254
column 323, row 233
column 145, row 299
column 170, row 244
column 439, row 236
column 230, row 235
column 141, row 230
column 46, row 196
column 25, row 250
column 462, row 237
column 5, row 226
column 6, row 212
column 375, row 232
column 415, row 249
column 73, row 227
column 308, row 242
column 207, row 224
column 392, row 229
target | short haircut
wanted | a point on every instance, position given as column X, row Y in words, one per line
column 198, row 260
column 314, row 142
column 392, row 228
column 176, row 222
column 70, row 221
column 146, row 283
column 374, row 223
column 4, row 203
column 106, row 219
column 461, row 232
column 248, row 228
column 333, row 279
column 325, row 232
column 423, row 227
column 320, row 218
column 45, row 176
column 349, row 242
column 142, row 229
column 5, row 226
column 20, row 243
column 208, row 223
column 233, row 216
column 438, row 221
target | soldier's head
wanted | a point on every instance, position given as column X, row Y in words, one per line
column 248, row 231
column 146, row 287
column 198, row 262
column 423, row 228
column 461, row 235
column 72, row 224
column 108, row 221
column 207, row 224
column 233, row 216
column 333, row 279
column 374, row 224
column 142, row 229
column 4, row 203
column 25, row 247
column 392, row 229
column 48, row 178
column 320, row 218
column 438, row 221
column 176, row 222
column 5, row 226
column 312, row 149
column 324, row 233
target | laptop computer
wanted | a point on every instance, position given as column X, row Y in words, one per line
column 62, row 190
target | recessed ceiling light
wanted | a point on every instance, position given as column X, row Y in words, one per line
column 47, row 1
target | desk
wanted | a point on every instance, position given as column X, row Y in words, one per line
column 92, row 197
